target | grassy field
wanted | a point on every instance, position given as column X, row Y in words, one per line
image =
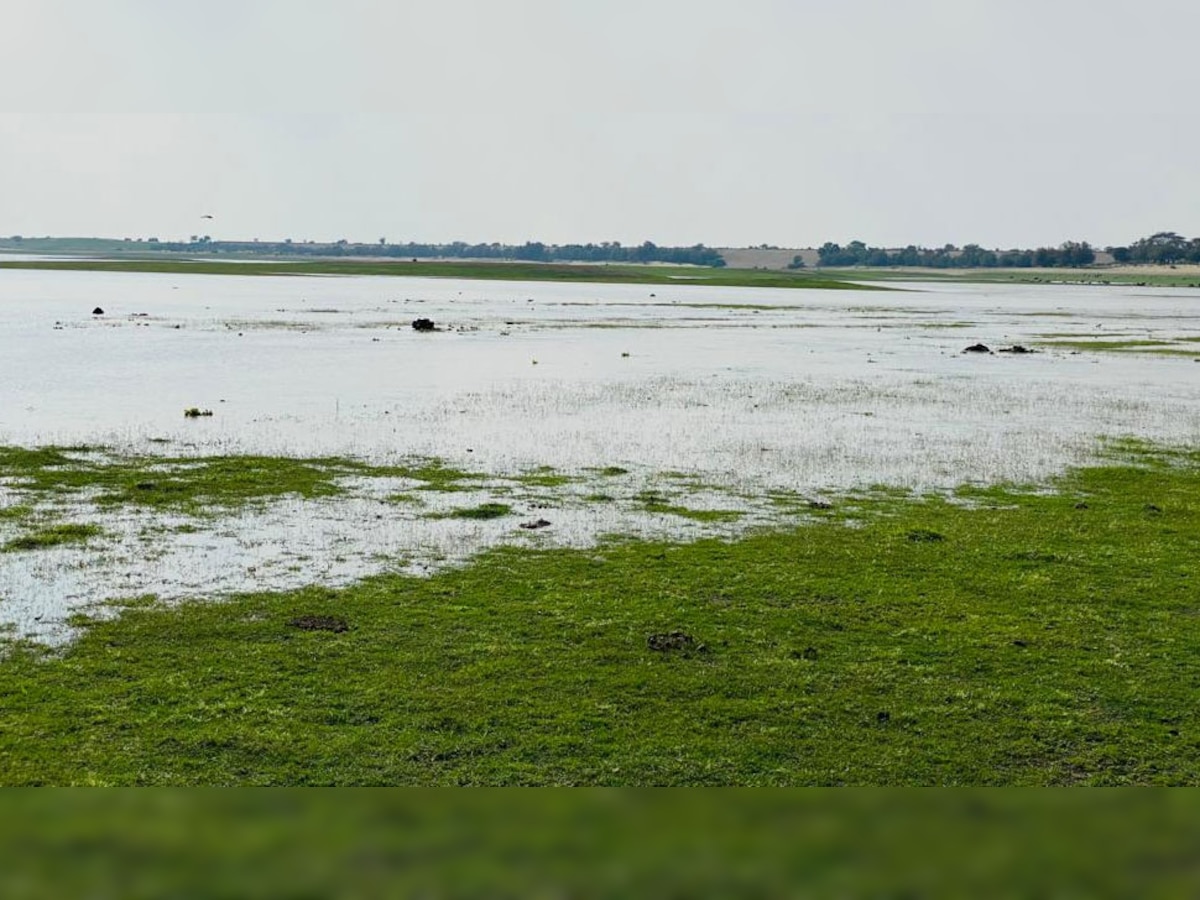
column 678, row 276
column 1001, row 636
column 599, row 844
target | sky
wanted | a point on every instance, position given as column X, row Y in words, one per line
column 1000, row 122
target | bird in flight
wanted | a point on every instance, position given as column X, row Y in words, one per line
column 206, row 216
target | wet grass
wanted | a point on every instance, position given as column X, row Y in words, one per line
column 203, row 484
column 482, row 511
column 653, row 502
column 433, row 474
column 545, row 477
column 15, row 513
column 1040, row 638
column 1103, row 345
column 677, row 276
column 190, row 485
column 56, row 535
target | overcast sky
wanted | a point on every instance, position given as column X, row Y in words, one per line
column 1003, row 122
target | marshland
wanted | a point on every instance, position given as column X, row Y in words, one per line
column 631, row 531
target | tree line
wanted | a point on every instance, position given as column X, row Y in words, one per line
column 531, row 251
column 972, row 256
column 1163, row 248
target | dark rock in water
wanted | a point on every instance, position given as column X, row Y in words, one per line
column 423, row 325
column 533, row 526
column 97, row 311
column 673, row 640
column 1015, row 348
column 977, row 348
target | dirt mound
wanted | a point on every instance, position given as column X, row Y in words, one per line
column 666, row 641
column 320, row 623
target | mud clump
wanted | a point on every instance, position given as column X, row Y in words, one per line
column 423, row 325
column 195, row 412
column 335, row 624
column 535, row 524
column 977, row 348
column 1015, row 348
column 666, row 641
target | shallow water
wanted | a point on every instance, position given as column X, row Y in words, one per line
column 747, row 390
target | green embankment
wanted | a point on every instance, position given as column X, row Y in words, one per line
column 679, row 276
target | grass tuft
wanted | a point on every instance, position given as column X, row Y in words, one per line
column 53, row 536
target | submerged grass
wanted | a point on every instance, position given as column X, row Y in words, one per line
column 482, row 511
column 202, row 484
column 657, row 503
column 1103, row 345
column 53, row 536
column 1041, row 638
column 15, row 513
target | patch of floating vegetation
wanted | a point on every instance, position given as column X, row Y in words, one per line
column 53, row 536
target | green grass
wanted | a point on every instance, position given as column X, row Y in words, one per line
column 677, row 276
column 202, row 484
column 656, row 503
column 483, row 511
column 1046, row 638
column 434, row 474
column 545, row 476
column 1103, row 345
column 52, row 536
column 15, row 513
column 990, row 845
column 190, row 485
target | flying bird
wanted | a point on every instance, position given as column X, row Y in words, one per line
column 206, row 216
